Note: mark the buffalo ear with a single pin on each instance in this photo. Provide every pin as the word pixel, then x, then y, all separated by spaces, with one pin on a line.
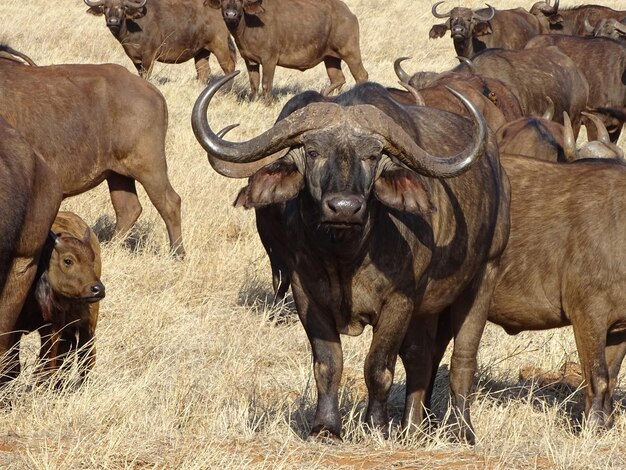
pixel 482 28
pixel 136 13
pixel 213 3
pixel 275 183
pixel 253 7
pixel 96 11
pixel 556 20
pixel 403 190
pixel 438 30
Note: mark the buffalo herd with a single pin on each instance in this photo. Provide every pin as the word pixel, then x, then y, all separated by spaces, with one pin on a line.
pixel 423 212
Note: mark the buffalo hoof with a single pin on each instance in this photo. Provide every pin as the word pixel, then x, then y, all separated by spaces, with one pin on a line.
pixel 324 436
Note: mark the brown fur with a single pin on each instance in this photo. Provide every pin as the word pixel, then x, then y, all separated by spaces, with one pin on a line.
pixel 508 29
pixel 93 123
pixel 565 264
pixel 414 246
pixel 30 195
pixel 533 74
pixel 267 36
pixel 601 61
pixel 571 21
pixel 63 302
pixel 170 31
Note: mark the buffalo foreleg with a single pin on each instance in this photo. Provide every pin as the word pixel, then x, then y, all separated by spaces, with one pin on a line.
pixel 203 68
pixel 336 76
pixel 255 77
pixel 615 352
pixel 269 68
pixel 125 203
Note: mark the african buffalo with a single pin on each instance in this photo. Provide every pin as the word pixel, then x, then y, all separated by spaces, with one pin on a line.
pixel 377 231
pixel 93 123
pixel 542 138
pixel 609 28
pixel 573 20
pixel 602 61
pixel 267 36
pixel 63 301
pixel 476 30
pixel 169 31
pixel 565 263
pixel 533 74
pixel 495 90
pixel 31 195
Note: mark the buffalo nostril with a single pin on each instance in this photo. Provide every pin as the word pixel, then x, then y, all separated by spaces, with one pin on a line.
pixel 97 289
pixel 344 205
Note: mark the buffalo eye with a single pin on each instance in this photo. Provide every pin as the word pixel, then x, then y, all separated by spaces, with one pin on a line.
pixel 312 153
pixel 68 262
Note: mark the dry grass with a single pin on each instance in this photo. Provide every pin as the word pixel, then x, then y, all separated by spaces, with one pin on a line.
pixel 195 370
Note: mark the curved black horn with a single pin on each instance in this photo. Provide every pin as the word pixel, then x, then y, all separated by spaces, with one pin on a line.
pixel 419 100
pixel 94 3
pixel 440 15
pixel 492 12
pixel 549 112
pixel 133 4
pixel 470 65
pixel 400 73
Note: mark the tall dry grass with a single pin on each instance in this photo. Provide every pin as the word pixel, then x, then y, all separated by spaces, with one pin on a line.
pixel 195 369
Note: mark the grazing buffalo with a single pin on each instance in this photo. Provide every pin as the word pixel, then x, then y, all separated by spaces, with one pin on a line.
pixel 31 195
pixel 93 123
pixel 493 89
pixel 542 138
pixel 573 20
pixel 602 62
pixel 609 28
pixel 533 74
pixel 267 36
pixel 377 231
pixel 565 264
pixel 169 31
pixel 475 30
pixel 63 302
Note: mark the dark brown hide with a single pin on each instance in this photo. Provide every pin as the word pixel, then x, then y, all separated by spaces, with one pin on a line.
pixel 267 36
pixel 30 195
pixel 93 123
pixel 365 241
pixel 573 20
pixel 508 29
pixel 533 74
pixel 63 302
pixel 170 31
pixel 610 28
pixel 602 62
pixel 493 89
pixel 532 136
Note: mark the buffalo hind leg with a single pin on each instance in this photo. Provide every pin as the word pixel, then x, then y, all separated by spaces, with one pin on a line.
pixel 381 359
pixel 125 203
pixel 167 203
pixel 337 78
pixel 268 80
pixel 420 365
pixel 468 319
pixel 203 68
pixel 615 352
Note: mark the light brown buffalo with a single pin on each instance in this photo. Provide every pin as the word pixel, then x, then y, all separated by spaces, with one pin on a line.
pixel 93 123
pixel 63 303
pixel 31 194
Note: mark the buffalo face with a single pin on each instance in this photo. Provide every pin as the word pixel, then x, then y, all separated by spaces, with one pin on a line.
pixel 72 269
pixel 463 23
pixel 233 10
pixel 116 11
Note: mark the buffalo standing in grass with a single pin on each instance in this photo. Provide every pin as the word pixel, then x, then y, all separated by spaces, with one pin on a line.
pixel 31 194
pixel 93 123
pixel 374 230
pixel 169 31
pixel 267 36
pixel 63 302
pixel 565 264
pixel 476 30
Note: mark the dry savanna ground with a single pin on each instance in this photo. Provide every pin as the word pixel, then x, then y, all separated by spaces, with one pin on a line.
pixel 196 369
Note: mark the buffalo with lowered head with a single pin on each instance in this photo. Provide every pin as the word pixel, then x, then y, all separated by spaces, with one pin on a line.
pixel 375 230
pixel 93 123
pixel 476 30
pixel 63 303
pixel 169 31
pixel 576 20
pixel 267 36
pixel 31 195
